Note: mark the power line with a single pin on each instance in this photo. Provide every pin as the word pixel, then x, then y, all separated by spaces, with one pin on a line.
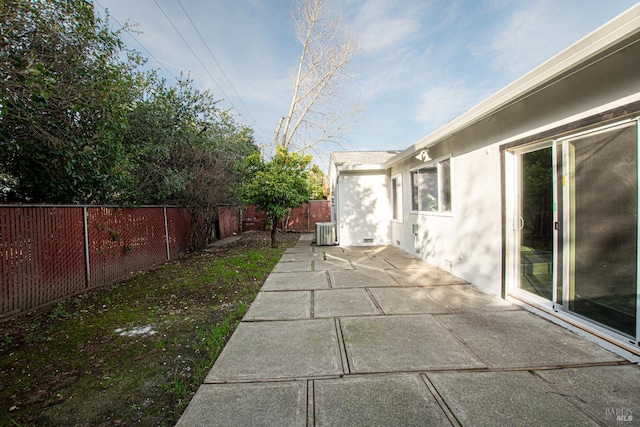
pixel 217 63
pixel 136 40
pixel 195 55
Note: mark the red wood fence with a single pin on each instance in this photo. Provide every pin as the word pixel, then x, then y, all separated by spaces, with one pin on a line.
pixel 302 218
pixel 48 253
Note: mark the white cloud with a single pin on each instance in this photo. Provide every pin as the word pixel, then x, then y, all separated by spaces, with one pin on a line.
pixel 386 24
pixel 442 102
pixel 532 32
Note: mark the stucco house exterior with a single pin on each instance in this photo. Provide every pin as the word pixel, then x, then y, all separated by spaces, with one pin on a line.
pixel 531 195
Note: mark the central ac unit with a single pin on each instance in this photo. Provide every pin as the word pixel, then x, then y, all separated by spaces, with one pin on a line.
pixel 325 233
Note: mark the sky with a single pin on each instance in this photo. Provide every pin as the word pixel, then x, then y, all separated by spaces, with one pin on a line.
pixel 420 63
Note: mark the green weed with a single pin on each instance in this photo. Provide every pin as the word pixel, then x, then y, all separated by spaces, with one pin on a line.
pixel 60 312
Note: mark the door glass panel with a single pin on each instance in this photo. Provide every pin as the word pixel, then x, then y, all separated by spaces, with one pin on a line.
pixel 536 223
pixel 603 235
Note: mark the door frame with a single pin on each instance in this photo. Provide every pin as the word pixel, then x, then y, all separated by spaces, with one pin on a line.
pixel 513 183
pixel 561 247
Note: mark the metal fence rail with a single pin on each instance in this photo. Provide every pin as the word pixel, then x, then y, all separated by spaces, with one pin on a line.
pixel 48 253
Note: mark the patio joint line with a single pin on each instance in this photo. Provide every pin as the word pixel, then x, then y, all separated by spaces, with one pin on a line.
pixel 374 300
pixel 328 279
pixel 343 348
pixel 311 409
pixel 311 304
pixel 443 405
pixel 462 342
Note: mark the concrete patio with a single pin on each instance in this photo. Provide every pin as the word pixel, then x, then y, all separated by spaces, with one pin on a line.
pixel 374 337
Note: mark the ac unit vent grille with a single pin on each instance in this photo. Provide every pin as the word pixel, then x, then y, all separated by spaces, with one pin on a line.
pixel 325 233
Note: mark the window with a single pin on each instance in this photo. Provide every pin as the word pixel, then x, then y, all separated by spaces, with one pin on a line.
pixel 396 197
pixel 431 187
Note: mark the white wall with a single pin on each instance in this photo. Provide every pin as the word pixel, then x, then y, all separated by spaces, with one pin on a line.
pixel 364 210
pixel 468 241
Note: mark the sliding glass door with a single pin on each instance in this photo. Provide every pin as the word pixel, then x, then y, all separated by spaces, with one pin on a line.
pixel 535 223
pixel 601 196
pixel 573 244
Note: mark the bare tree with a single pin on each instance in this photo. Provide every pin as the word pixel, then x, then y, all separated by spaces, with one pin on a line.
pixel 317 113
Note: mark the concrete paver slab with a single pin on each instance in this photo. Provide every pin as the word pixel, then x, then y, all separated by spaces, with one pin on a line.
pixel 360 279
pixel 465 298
pixel 376 400
pixel 522 339
pixel 404 300
pixel 387 251
pixel 279 349
pixel 288 267
pixel 347 256
pixel 341 255
pixel 371 264
pixel 608 393
pixel 402 343
pixel 505 399
pixel 343 302
pixel 296 281
pixel 305 249
pixel 426 276
pixel 415 332
pixel 280 306
pixel 400 262
pixel 306 257
pixel 332 264
pixel 262 404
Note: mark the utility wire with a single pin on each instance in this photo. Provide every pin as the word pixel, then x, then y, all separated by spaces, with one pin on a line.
pixel 195 55
pixel 217 63
pixel 136 40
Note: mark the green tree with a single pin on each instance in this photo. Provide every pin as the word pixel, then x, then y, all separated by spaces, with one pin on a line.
pixel 315 180
pixel 183 150
pixel 64 98
pixel 275 186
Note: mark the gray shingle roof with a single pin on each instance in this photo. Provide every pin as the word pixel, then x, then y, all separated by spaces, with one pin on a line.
pixel 355 158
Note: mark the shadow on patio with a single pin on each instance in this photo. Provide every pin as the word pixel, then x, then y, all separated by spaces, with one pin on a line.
pixel 343 336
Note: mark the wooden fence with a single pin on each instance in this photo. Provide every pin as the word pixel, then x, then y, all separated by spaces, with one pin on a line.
pixel 302 218
pixel 48 253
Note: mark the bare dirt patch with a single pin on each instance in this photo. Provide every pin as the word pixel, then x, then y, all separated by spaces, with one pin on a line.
pixel 133 352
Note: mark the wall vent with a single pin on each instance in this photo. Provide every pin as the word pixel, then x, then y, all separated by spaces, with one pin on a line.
pixel 325 233
pixel 398 242
pixel 368 240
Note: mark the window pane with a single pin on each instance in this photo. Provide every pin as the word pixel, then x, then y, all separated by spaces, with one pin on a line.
pixel 428 189
pixel 394 197
pixel 445 178
pixel 414 191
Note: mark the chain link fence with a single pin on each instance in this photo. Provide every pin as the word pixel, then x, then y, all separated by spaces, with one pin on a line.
pixel 48 253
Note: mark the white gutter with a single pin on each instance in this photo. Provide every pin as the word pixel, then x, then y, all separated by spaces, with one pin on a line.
pixel 623 26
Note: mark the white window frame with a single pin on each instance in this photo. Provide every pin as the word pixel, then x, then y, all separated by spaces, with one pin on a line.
pixel 436 164
pixel 397 205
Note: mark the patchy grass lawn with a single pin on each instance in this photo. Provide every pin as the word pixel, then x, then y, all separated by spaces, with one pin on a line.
pixel 133 352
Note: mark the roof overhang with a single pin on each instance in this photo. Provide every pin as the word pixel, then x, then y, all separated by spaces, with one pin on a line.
pixel 593 47
pixel 369 167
